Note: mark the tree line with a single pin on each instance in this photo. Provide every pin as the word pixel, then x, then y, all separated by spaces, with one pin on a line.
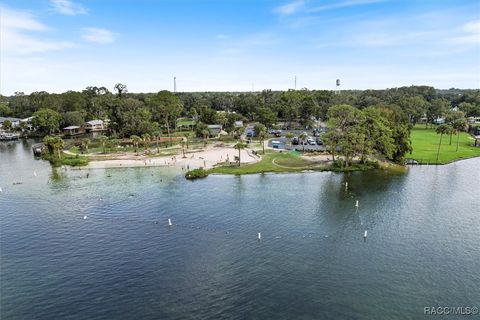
pixel 368 121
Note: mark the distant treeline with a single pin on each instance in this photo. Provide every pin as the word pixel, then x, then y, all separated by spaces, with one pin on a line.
pixel 138 113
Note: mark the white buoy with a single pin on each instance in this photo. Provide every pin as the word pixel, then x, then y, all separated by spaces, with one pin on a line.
pixel 169 222
pixel 259 236
pixel 356 204
pixel 85 217
pixel 346 185
pixel 365 235
pixel 35 173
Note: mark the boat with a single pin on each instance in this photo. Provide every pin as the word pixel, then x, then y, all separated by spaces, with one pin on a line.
pixel 8 136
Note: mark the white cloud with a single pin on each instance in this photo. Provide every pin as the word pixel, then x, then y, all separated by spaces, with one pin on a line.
pixel 472 26
pixel 67 7
pixel 290 8
pixel 98 35
pixel 343 4
pixel 222 36
pixel 13 19
pixel 471 34
pixel 20 34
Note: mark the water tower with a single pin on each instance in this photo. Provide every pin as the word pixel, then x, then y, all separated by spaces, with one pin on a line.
pixel 337 86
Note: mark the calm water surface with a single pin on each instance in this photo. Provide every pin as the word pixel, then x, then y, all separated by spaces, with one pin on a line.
pixel 123 262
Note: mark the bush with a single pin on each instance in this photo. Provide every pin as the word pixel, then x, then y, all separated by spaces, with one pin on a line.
pixel 74 161
pixel 196 174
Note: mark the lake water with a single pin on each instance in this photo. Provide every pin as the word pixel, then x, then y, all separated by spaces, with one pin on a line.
pixel 124 262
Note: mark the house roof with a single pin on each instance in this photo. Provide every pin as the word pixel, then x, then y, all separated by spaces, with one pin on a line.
pixel 71 127
pixel 95 122
pixel 2 119
pixel 238 123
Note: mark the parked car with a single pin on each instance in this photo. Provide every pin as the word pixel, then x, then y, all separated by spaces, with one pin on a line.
pixel 295 141
pixel 278 133
pixel 250 134
pixel 311 142
pixel 319 142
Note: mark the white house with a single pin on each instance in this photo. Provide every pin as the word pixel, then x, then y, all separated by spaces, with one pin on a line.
pixel 94 125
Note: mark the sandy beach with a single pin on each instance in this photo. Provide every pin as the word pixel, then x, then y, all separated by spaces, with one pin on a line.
pixel 207 158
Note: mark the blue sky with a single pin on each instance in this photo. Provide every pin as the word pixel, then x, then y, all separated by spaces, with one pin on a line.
pixel 237 45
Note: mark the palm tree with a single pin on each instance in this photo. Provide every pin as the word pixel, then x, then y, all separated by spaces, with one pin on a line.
pixel 261 132
pixel 262 135
pixel 458 125
pixel 58 144
pixel 289 137
pixel 205 134
pixel 239 146
pixel 302 138
pixel 85 144
pixel 157 134
pixel 146 140
pixel 183 142
pixel 187 135
pixel 54 145
pixel 442 129
pixel 135 140
pixel 103 140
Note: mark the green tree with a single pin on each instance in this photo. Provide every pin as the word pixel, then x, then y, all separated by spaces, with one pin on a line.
pixel 7 124
pixel 46 120
pixel 54 145
pixel 303 138
pixel 121 89
pixel 289 136
pixel 239 146
pixel 103 141
pixel 136 140
pixel 166 107
pixel 459 124
pixel 145 140
pixel 442 129
pixel 331 140
pixel 5 110
pixel 201 129
pixel 73 118
pixel 84 145
pixel 261 132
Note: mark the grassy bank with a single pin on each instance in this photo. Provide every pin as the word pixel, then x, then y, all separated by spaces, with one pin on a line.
pixel 66 160
pixel 285 162
pixel 425 146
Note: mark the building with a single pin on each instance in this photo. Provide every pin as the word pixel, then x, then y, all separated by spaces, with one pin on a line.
pixel 94 125
pixel 15 121
pixel 214 129
pixel 238 124
pixel 73 130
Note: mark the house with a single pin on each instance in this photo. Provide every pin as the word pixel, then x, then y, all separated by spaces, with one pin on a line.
pixel 15 121
pixel 238 124
pixel 214 129
pixel 94 125
pixel 73 130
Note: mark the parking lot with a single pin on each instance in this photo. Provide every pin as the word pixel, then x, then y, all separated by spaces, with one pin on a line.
pixel 287 146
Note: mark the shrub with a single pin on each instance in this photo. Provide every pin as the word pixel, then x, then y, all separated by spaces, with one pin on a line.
pixel 196 174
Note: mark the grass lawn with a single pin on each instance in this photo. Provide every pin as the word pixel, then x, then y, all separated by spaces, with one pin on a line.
pixel 271 162
pixel 425 146
pixel 185 122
